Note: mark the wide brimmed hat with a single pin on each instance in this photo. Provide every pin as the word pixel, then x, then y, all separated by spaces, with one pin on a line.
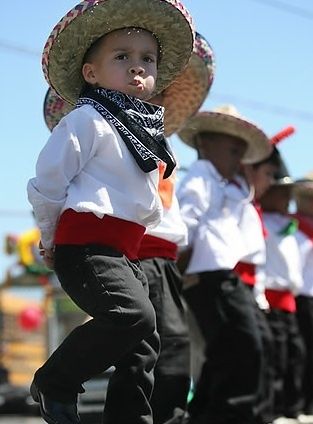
pixel 54 108
pixel 227 120
pixel 186 94
pixel 70 39
pixel 282 175
pixel 304 186
pixel 181 99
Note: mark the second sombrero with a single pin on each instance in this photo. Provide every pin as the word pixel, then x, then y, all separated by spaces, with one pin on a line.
pixel 227 120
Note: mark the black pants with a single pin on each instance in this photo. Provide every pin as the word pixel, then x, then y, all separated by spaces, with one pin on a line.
pixel 288 363
pixel 172 371
pixel 264 406
pixel 228 384
pixel 305 321
pixel 122 332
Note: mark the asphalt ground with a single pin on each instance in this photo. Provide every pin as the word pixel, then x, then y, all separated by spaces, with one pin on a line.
pixel 21 419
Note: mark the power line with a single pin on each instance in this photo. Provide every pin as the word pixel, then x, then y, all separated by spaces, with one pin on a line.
pixel 252 104
pixel 295 10
pixel 20 49
pixel 265 107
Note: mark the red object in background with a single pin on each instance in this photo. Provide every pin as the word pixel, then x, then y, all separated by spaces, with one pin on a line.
pixel 43 280
pixel 286 132
pixel 31 318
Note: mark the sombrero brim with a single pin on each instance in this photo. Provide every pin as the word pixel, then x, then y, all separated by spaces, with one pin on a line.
pixel 91 19
pixel 259 146
pixel 187 93
pixel 303 187
pixel 285 181
pixel 54 108
pixel 181 99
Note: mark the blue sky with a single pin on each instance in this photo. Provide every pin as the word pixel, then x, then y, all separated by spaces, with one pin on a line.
pixel 264 66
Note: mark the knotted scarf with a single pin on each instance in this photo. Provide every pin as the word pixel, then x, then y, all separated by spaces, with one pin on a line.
pixel 140 125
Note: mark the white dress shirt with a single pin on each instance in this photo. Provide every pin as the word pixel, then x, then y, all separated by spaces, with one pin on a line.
pixel 87 167
pixel 211 207
pixel 252 231
pixel 172 227
pixel 283 262
pixel 306 251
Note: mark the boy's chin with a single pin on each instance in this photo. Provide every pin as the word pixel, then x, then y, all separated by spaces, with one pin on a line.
pixel 141 95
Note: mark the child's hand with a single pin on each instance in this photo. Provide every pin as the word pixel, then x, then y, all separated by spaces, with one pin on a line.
pixel 47 256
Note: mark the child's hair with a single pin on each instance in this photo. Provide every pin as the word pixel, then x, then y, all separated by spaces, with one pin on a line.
pixel 274 159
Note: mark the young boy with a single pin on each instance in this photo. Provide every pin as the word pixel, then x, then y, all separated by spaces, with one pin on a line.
pixel 211 205
pixel 95 192
pixel 283 279
pixel 251 269
pixel 159 246
pixel 303 195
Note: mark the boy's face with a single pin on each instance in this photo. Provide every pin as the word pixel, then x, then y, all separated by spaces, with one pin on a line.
pixel 277 199
pixel 224 151
pixel 305 204
pixel 261 177
pixel 126 60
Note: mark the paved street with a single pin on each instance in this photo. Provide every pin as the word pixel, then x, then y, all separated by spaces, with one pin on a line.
pixel 9 419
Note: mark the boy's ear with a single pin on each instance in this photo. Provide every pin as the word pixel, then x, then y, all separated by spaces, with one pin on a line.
pixel 88 73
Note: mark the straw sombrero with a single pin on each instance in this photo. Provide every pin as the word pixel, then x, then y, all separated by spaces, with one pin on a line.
pixel 304 186
pixel 181 99
pixel 282 175
pixel 54 108
pixel 68 42
pixel 186 94
pixel 227 120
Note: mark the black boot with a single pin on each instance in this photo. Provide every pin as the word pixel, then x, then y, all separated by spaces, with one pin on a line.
pixel 54 412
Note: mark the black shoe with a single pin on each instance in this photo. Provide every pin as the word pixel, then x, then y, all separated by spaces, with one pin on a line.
pixel 54 412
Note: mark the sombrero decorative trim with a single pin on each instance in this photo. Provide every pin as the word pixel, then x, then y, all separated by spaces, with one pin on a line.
pixel 226 120
pixel 287 180
pixel 91 19
pixel 54 108
pixel 186 94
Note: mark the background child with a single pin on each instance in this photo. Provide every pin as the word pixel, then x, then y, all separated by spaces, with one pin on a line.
pixel 159 246
pixel 251 270
pixel 283 280
pixel 211 206
pixel 96 179
pixel 303 195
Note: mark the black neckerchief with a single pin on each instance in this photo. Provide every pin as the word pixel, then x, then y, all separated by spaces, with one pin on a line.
pixel 140 125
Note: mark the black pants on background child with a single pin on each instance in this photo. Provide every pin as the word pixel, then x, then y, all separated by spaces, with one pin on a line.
pixel 172 370
pixel 288 363
pixel 227 387
pixel 305 320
